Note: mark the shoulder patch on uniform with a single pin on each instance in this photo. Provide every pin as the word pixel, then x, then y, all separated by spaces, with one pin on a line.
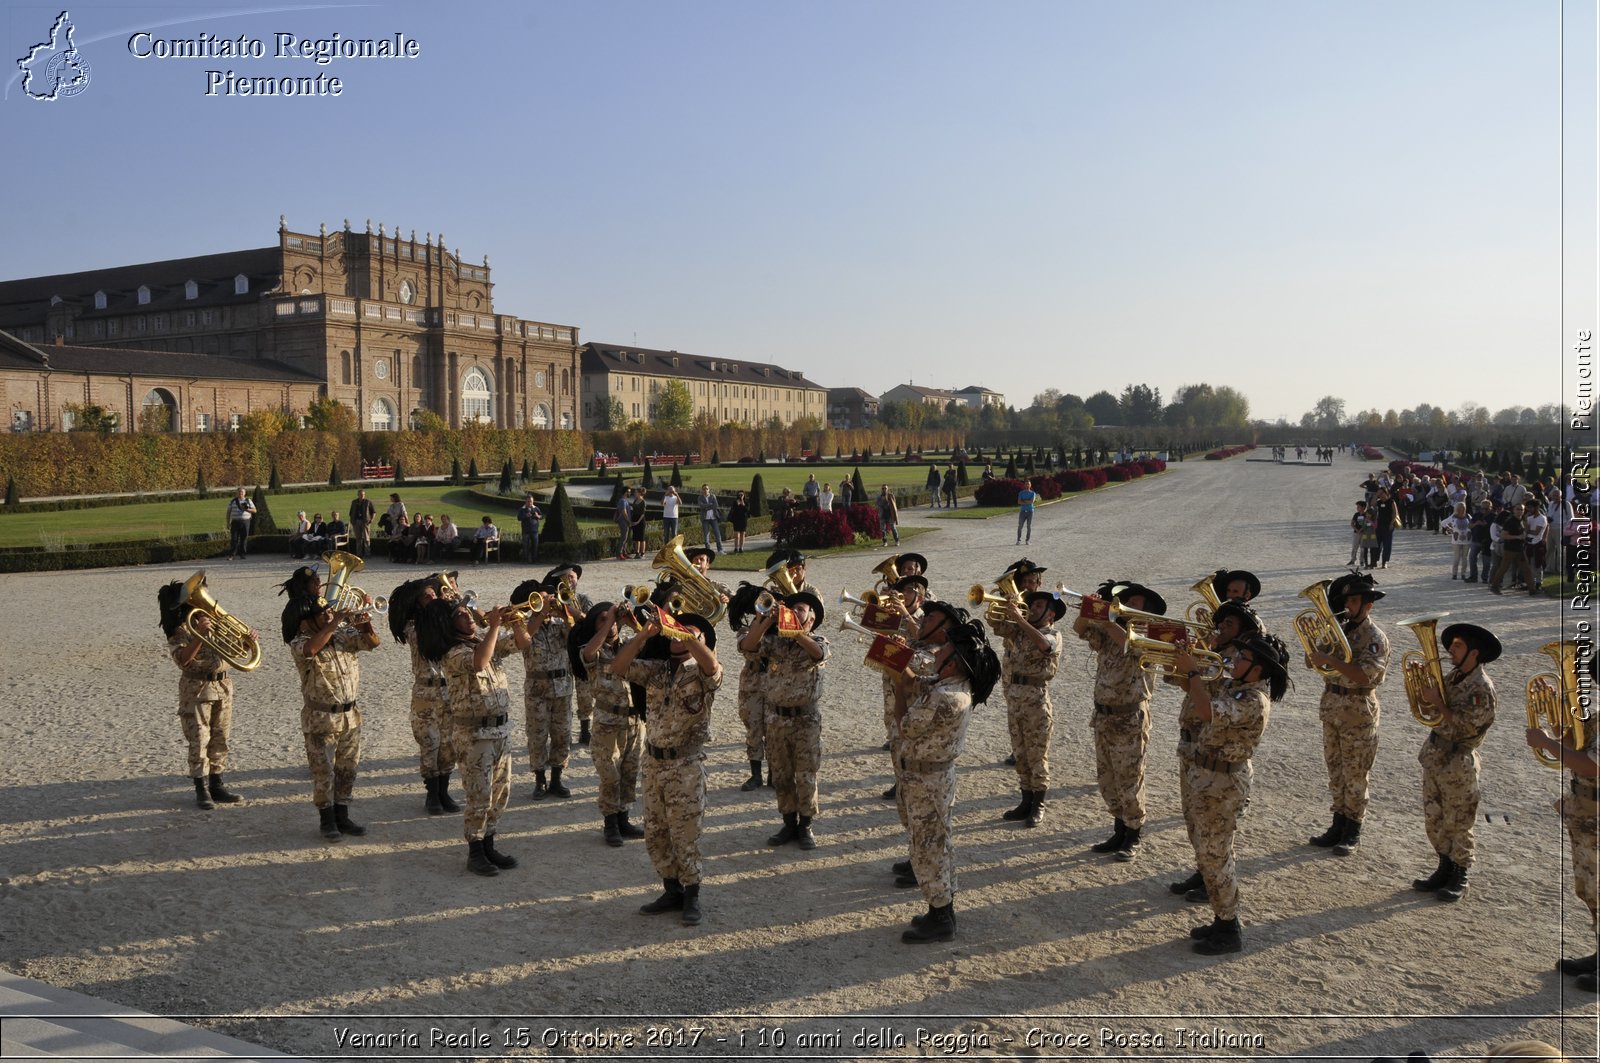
pixel 1240 695
pixel 1374 647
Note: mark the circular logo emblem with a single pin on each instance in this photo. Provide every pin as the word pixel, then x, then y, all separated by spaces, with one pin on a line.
pixel 68 72
pixel 380 369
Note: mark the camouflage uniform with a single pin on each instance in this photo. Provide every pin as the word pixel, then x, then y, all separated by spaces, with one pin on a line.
pixel 1025 672
pixel 430 711
pixel 891 726
pixel 547 696
pixel 330 682
pixel 584 689
pixel 678 700
pixel 1186 734
pixel 933 733
pixel 1580 809
pixel 1217 788
pixel 479 708
pixel 1350 721
pixel 791 690
pixel 205 705
pixel 1449 760
pixel 1121 726
pixel 752 710
pixel 618 735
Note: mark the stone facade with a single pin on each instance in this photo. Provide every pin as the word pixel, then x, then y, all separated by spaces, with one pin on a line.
pixel 723 390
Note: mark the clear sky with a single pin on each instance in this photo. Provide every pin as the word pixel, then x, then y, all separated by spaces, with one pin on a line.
pixel 1361 199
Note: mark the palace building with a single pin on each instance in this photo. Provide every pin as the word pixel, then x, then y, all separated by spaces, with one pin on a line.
pixel 387 325
pixel 723 389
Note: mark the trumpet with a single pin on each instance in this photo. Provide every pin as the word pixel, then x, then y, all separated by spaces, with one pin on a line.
pixel 867 598
pixel 1319 629
pixel 338 592
pixel 537 602
pixel 1140 622
pixel 1554 706
pixel 229 637
pixel 1423 669
pixel 1159 655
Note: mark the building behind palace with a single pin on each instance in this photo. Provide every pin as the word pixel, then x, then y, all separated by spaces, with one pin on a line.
pixel 722 388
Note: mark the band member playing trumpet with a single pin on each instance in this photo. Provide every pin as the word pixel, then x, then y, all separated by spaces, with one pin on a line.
pixel 1350 709
pixel 1032 654
pixel 1580 810
pixel 1026 577
pixel 324 645
pixel 618 729
pixel 678 694
pixel 1121 721
pixel 906 597
pixel 1449 757
pixel 933 713
pixel 1226 725
pixel 791 666
pixel 430 701
pixel 580 604
pixel 479 706
pixel 742 614
pixel 547 687
pixel 205 696
pixel 928 629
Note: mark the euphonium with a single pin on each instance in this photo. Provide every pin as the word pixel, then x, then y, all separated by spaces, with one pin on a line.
pixel 778 575
pixel 1005 593
pixel 340 595
pixel 693 592
pixel 1200 612
pixel 1319 629
pixel 1423 669
pixel 1553 705
pixel 229 637
pixel 888 571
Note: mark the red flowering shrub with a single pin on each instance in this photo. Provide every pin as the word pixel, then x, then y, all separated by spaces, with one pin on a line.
pixel 863 519
pixel 1153 465
pixel 815 529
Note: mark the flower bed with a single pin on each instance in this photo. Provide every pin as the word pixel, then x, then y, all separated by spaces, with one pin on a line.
pixel 1227 452
pixel 815 529
pixel 863 520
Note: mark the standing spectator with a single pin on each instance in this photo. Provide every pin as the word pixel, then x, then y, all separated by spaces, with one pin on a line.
pixel 1385 519
pixel 847 492
pixel 486 536
pixel 1459 528
pixel 810 490
pixel 1513 551
pixel 669 513
pixel 397 512
pixel 1025 500
pixel 1358 527
pixel 739 517
pixel 950 486
pixel 933 485
pixel 622 517
pixel 636 515
pixel 1515 492
pixel 710 518
pixel 529 516
pixel 825 498
pixel 240 512
pixel 1557 513
pixel 888 516
pixel 1478 530
pixel 362 512
pixel 782 510
pixel 1536 526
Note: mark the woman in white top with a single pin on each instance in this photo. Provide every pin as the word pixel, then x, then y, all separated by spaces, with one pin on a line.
pixel 825 498
pixel 669 514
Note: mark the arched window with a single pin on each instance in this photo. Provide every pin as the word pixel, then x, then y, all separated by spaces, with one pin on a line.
pixel 159 411
pixel 99 300
pixel 382 415
pixel 566 419
pixel 566 384
pixel 144 294
pixel 191 290
pixel 241 284
pixel 477 401
pixel 345 376
pixel 541 415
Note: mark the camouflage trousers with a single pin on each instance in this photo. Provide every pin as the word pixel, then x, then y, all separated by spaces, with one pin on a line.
pixel 1185 762
pixel 794 749
pixel 1030 717
pixel 930 798
pixel 1213 803
pixel 584 695
pixel 1450 806
pixel 205 728
pixel 1349 746
pixel 333 749
pixel 753 714
pixel 430 726
pixel 674 813
pixel 1582 817
pixel 486 777
pixel 548 718
pixel 615 745
pixel 1120 741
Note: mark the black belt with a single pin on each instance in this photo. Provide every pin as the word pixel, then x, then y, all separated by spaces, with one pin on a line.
pixel 214 677
pixel 431 682
pixel 1185 736
pixel 661 753
pixel 1116 710
pixel 559 673
pixel 1029 681
pixel 1590 793
pixel 1216 764
pixel 346 707
pixel 789 713
pixel 1450 748
pixel 1349 690
pixel 490 721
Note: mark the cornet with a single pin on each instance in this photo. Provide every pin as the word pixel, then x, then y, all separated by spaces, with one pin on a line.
pixel 229 637
pixel 1423 669
pixel 537 603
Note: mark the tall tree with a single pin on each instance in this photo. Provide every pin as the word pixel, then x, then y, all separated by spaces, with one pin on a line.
pixel 1141 404
pixel 674 405
pixel 1104 408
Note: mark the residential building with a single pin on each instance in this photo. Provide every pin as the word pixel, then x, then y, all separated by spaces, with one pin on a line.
pixel 722 389
pixel 851 408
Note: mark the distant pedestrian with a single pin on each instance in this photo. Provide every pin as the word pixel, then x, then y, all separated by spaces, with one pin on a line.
pixel 240 512
pixel 670 503
pixel 710 518
pixel 933 485
pixel 888 516
pixel 1025 500
pixel 529 516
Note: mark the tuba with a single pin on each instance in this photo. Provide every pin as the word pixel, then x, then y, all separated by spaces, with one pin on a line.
pixel 1199 613
pixel 1553 703
pixel 340 595
pixel 230 637
pixel 1423 669
pixel 1319 629
pixel 692 592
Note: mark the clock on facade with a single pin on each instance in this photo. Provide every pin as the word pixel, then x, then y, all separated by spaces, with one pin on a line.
pixel 408 292
pixel 380 369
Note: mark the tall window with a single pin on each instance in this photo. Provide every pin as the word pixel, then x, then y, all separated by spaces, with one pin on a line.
pixel 382 415
pixel 344 367
pixel 476 400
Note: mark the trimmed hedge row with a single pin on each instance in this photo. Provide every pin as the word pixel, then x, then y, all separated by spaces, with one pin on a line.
pixel 1228 452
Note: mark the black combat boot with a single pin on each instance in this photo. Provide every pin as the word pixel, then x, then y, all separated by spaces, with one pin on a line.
pixel 219 793
pixel 613 835
pixel 901 867
pixel 671 899
pixel 1113 843
pixel 691 905
pixel 341 818
pixel 1224 937
pixel 790 830
pixel 938 925
pixel 1014 815
pixel 583 733
pixel 496 857
pixel 556 789
pixel 1129 849
pixel 538 785
pixel 1187 884
pixel 803 835
pixel 1587 983
pixel 626 829
pixel 478 861
pixel 432 805
pixel 1589 964
pixel 202 796
pixel 1440 875
pixel 1350 841
pixel 1330 837
pixel 906 879
pixel 1036 811
pixel 1455 885
pixel 444 793
pixel 754 782
pixel 330 829
pixel 1200 933
pixel 892 792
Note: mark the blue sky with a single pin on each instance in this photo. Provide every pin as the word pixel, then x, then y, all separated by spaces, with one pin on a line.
pixel 1357 199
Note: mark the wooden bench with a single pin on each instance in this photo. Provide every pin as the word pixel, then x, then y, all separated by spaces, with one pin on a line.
pixel 372 470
